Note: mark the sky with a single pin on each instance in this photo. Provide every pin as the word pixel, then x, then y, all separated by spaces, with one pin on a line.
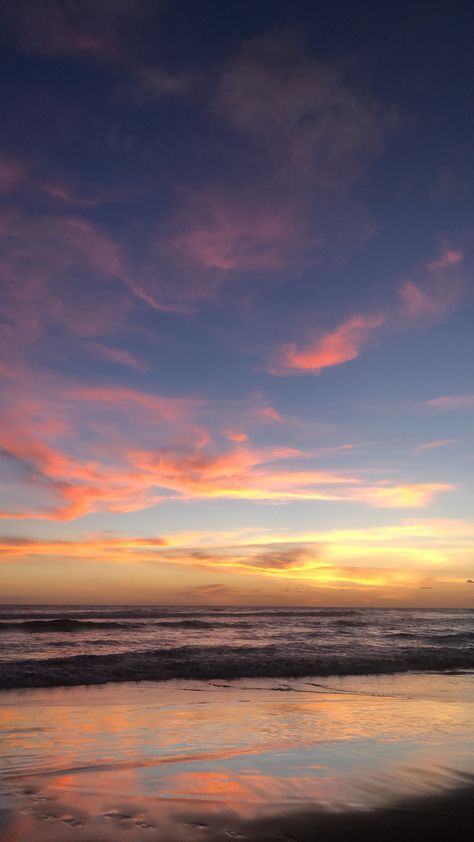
pixel 236 311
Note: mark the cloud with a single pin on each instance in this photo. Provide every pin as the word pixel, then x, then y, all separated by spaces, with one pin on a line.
pixel 86 548
pixel 449 258
pixel 60 271
pixel 301 110
pixel 432 445
pixel 300 141
pixel 64 272
pixel 450 403
pixel 437 296
pixel 274 560
pixel 216 590
pixel 428 304
pixel 280 202
pixel 236 435
pixel 340 346
pixel 311 565
pixel 383 560
pixel 117 355
pixel 86 462
pixel 229 233
pixel 410 495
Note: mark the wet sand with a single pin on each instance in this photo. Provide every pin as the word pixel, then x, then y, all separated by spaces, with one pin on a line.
pixel 338 759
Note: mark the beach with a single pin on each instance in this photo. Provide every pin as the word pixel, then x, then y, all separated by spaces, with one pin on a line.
pixel 259 759
pixel 236 421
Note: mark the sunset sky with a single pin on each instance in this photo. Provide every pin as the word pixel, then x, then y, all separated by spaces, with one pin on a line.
pixel 236 302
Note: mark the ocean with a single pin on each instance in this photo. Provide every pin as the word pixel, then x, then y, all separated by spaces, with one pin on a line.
pixel 217 723
pixel 83 644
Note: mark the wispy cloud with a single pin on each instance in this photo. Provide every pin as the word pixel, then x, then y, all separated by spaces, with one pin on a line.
pixel 449 258
pixel 87 462
pixel 450 403
pixel 302 140
pixel 435 297
pixel 117 355
pixel 44 258
pixel 434 445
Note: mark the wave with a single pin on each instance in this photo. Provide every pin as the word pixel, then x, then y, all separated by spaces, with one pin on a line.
pixel 68 624
pixel 220 662
pixel 61 624
pixel 200 624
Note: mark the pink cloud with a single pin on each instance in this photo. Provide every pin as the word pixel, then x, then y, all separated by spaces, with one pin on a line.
pixel 302 141
pixel 45 265
pixel 433 302
pixel 169 409
pixel 437 296
pixel 269 413
pixel 449 258
pixel 339 346
pixel 228 237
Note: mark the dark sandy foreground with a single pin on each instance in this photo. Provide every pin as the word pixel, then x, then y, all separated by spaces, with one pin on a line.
pixel 342 759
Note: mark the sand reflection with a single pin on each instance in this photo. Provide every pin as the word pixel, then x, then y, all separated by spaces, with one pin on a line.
pixel 174 761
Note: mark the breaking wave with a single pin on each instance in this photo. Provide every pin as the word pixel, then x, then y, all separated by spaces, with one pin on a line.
pixel 220 662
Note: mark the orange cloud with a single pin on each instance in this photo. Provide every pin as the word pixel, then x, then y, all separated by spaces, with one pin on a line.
pixel 236 436
pixel 340 346
pixel 84 461
pixel 353 558
pixel 137 479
